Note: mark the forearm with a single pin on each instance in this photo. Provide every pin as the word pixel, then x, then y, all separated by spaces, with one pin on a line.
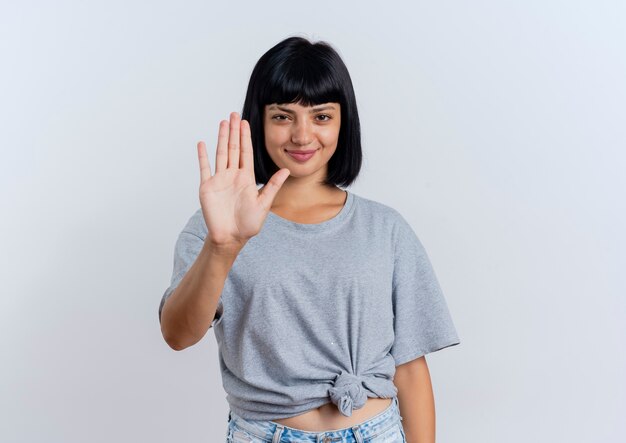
pixel 417 402
pixel 190 309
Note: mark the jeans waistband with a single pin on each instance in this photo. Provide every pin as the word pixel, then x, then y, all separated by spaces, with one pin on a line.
pixel 271 431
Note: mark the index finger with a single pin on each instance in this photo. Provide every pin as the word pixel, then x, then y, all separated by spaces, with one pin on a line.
pixel 205 168
pixel 246 160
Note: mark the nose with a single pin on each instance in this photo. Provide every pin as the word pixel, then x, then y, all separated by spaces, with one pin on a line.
pixel 302 133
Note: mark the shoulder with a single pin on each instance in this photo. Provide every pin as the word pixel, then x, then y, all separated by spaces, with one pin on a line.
pixel 196 225
pixel 391 223
pixel 383 215
pixel 381 211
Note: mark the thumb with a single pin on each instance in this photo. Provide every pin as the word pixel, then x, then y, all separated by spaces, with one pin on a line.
pixel 269 191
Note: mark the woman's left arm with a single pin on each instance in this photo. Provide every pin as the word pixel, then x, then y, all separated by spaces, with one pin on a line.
pixel 417 402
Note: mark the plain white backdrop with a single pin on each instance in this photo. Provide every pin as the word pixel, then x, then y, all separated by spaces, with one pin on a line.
pixel 496 128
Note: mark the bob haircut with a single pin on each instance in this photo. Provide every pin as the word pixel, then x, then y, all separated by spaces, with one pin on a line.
pixel 298 71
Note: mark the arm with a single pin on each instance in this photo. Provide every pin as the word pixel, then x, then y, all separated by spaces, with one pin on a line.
pixel 187 313
pixel 233 210
pixel 417 403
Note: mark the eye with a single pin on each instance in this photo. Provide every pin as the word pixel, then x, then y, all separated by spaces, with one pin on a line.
pixel 328 117
pixel 278 115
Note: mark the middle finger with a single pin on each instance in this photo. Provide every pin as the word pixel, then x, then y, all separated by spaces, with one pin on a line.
pixel 233 141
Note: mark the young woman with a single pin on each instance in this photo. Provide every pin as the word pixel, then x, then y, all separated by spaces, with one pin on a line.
pixel 323 303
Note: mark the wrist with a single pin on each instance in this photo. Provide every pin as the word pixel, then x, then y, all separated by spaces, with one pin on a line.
pixel 228 248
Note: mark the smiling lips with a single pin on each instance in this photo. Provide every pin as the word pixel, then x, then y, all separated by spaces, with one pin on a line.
pixel 302 156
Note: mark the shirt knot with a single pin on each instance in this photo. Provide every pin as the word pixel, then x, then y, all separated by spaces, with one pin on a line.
pixel 348 393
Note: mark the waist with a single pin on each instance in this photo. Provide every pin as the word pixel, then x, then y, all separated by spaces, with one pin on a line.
pixel 328 416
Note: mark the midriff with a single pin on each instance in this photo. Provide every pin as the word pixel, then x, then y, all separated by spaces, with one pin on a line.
pixel 327 417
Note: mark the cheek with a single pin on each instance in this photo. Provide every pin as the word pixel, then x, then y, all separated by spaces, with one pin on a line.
pixel 274 138
pixel 330 151
pixel 329 138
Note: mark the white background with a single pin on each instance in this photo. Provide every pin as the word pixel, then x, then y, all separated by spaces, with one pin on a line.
pixel 496 128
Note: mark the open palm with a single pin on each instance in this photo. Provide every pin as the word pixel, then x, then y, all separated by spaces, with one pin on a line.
pixel 233 208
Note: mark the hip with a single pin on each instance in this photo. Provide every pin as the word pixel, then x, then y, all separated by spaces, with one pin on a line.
pixel 384 427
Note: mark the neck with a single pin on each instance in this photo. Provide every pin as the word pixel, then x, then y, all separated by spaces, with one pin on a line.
pixel 300 193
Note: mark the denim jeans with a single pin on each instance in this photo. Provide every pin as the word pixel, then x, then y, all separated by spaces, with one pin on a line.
pixel 385 427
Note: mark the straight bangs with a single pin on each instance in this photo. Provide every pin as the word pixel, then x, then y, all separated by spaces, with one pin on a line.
pixel 297 81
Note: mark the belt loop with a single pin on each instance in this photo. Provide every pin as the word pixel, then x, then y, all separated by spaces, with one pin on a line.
pixel 357 434
pixel 278 432
pixel 397 402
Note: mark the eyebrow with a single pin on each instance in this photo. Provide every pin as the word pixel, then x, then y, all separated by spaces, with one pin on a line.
pixel 321 108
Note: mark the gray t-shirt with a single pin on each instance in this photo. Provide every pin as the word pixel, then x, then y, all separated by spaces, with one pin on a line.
pixel 318 313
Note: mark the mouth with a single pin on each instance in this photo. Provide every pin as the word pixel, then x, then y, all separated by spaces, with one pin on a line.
pixel 301 155
pixel 298 151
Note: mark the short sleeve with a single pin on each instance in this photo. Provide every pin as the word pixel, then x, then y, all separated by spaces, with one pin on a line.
pixel 422 321
pixel 187 248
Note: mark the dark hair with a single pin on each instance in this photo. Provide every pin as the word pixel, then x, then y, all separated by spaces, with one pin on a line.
pixel 298 71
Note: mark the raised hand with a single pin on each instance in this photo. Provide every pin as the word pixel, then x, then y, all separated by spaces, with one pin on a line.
pixel 233 208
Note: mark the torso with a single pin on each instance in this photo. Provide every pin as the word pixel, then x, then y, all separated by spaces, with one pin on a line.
pixel 327 417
